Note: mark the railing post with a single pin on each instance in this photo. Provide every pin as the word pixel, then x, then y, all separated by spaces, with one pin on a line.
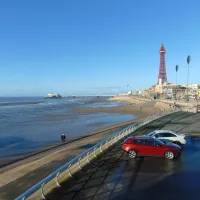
pixel 101 148
pixel 95 153
pixel 112 140
pixel 106 144
pixel 69 170
pixel 79 163
pixel 57 182
pixel 42 191
pixel 88 158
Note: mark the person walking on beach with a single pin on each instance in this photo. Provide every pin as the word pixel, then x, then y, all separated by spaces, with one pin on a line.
pixel 63 137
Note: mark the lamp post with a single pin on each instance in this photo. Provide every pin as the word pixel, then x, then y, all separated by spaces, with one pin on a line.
pixel 188 62
pixel 176 68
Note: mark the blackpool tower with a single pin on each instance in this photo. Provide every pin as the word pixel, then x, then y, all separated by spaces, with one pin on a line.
pixel 162 69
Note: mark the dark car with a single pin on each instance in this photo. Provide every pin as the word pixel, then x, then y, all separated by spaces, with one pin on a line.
pixel 148 146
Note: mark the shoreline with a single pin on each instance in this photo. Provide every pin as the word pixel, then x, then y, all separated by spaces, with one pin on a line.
pixel 133 108
pixel 46 148
pixel 12 159
pixel 46 155
pixel 21 168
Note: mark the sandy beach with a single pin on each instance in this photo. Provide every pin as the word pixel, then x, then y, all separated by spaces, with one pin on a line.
pixel 140 108
pixel 57 152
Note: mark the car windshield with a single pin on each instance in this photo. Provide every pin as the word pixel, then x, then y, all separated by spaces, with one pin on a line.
pixel 151 134
pixel 159 141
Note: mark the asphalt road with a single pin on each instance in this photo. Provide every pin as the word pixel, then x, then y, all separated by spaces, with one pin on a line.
pixel 114 176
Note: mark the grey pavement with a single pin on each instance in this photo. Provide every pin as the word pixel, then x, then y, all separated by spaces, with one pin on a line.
pixel 114 176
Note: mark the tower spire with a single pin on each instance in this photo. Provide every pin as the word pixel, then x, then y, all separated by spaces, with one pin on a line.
pixel 162 68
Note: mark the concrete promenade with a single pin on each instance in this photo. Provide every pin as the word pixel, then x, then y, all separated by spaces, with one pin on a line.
pixel 114 176
pixel 18 177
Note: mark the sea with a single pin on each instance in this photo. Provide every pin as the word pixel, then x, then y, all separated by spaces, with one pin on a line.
pixel 28 123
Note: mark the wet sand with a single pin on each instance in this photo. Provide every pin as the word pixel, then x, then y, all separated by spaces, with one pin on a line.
pixel 139 108
pixel 46 155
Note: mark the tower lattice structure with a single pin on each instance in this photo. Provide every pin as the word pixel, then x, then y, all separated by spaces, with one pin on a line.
pixel 162 68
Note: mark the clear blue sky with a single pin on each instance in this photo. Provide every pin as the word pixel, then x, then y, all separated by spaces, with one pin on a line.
pixel 95 46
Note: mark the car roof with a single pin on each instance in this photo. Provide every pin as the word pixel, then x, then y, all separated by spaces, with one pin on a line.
pixel 162 131
pixel 138 137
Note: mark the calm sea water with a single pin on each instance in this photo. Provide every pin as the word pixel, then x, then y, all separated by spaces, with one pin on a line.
pixel 31 122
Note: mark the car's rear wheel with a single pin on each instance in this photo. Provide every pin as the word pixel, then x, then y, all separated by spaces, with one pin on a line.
pixel 132 153
pixel 169 155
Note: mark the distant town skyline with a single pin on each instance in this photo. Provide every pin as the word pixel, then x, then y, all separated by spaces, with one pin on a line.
pixel 95 47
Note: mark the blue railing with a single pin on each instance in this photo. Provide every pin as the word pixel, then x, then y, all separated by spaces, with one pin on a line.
pixel 84 158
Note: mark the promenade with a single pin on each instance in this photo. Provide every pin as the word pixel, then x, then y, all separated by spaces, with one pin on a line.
pixel 20 176
pixel 115 176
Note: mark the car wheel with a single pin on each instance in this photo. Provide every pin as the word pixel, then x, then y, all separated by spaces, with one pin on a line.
pixel 169 155
pixel 132 153
pixel 177 142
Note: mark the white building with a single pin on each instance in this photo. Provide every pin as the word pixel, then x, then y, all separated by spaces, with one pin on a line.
pixel 161 88
pixel 192 89
pixel 192 86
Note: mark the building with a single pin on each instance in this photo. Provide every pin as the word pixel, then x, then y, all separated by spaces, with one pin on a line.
pixel 192 89
pixel 130 93
pixel 53 95
pixel 192 86
pixel 167 90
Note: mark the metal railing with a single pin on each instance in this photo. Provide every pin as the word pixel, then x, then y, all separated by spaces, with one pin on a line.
pixel 66 171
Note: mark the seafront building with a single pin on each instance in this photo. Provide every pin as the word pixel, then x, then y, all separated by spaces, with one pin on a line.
pixel 166 90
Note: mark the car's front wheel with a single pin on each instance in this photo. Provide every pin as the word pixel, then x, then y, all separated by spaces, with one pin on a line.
pixel 132 153
pixel 169 155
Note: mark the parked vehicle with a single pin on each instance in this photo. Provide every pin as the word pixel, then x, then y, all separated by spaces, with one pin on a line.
pixel 147 146
pixel 176 138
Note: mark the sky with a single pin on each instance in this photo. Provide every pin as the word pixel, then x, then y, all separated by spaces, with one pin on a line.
pixel 76 47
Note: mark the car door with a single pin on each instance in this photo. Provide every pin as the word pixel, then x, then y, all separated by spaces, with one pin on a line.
pixel 139 146
pixel 159 148
pixel 150 149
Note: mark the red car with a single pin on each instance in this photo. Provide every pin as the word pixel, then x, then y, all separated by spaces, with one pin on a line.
pixel 148 146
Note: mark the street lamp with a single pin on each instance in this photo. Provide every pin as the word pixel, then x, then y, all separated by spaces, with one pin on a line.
pixel 176 68
pixel 188 62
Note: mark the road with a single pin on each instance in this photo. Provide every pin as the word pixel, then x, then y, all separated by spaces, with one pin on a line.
pixel 114 176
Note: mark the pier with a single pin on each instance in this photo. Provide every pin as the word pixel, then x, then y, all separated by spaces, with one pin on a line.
pixel 89 97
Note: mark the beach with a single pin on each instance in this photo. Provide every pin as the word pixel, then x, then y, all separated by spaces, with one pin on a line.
pixel 63 152
pixel 29 124
pixel 140 108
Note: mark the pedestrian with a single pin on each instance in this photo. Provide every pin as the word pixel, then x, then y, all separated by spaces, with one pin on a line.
pixel 63 137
